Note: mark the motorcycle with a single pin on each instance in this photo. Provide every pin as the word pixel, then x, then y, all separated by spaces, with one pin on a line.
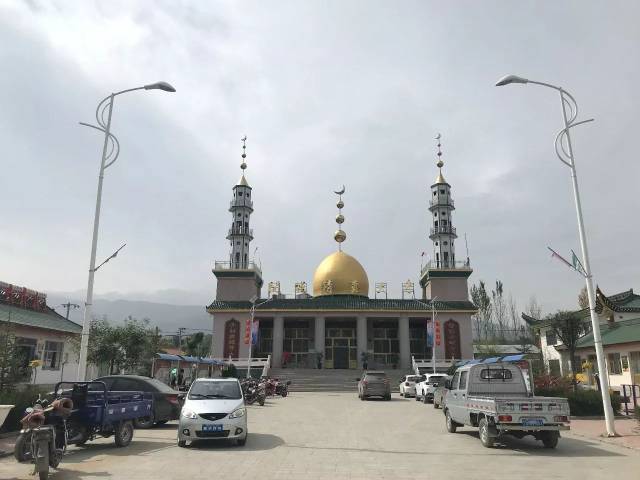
pixel 282 388
pixel 269 386
pixel 253 392
pixel 44 435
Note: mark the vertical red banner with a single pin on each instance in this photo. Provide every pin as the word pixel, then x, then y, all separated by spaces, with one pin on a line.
pixel 437 333
pixel 247 332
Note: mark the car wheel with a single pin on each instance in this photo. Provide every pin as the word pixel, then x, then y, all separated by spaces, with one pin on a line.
pixel 182 443
pixel 550 439
pixel 451 425
pixel 486 439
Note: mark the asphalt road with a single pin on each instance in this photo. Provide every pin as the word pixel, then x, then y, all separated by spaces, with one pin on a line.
pixel 336 436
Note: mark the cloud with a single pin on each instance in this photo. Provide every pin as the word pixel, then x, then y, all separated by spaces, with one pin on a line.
pixel 328 93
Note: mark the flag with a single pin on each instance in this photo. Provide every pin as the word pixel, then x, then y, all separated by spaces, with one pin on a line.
pixel 254 332
pixel 577 265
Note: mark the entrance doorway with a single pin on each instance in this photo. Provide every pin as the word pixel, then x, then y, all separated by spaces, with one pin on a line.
pixel 340 347
pixel 340 357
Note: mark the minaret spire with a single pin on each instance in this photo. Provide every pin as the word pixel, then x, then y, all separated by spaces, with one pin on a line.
pixel 241 208
pixel 441 206
pixel 340 236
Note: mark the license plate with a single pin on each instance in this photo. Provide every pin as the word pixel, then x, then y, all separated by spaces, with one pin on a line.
pixel 532 422
pixel 212 428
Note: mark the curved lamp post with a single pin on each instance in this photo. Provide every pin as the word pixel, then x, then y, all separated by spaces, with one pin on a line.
pixel 110 151
pixel 563 138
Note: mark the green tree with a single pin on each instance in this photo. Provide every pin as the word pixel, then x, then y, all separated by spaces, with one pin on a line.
pixel 499 309
pixel 194 345
pixel 569 328
pixel 482 319
pixel 11 359
pixel 104 345
pixel 583 298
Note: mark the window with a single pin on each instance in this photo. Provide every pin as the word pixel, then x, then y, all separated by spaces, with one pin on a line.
pixel 551 337
pixel 239 214
pixel 615 365
pixel 435 193
pixel 240 194
pixel 52 355
pixel 442 192
pixel 248 194
pixel 625 363
pixel 454 381
pixel 436 244
pixel 445 243
pixel 444 214
pixel 127 385
pixel 495 374
pixel 463 379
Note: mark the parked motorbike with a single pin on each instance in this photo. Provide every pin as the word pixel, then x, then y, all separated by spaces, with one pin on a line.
pixel 44 435
pixel 282 388
pixel 269 386
pixel 253 392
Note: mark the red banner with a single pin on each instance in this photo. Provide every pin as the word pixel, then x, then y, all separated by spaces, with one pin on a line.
pixel 438 335
pixel 247 332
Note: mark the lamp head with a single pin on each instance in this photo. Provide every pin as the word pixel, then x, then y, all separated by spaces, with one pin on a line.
pixel 510 79
pixel 160 86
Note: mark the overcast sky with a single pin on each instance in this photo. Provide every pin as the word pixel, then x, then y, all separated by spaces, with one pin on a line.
pixel 328 93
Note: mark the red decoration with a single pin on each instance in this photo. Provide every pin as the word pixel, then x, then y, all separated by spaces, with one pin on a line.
pixel 247 332
pixel 438 336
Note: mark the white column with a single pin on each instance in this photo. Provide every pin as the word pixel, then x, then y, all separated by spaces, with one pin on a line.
pixel 403 334
pixel 319 339
pixel 278 341
pixel 361 337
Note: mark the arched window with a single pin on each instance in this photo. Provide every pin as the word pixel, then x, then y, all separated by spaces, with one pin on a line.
pixel 452 340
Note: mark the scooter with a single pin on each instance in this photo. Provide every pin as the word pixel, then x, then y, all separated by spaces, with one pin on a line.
pixel 282 388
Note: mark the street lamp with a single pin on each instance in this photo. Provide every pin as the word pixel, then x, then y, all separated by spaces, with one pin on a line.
pixel 110 151
pixel 253 312
pixel 569 115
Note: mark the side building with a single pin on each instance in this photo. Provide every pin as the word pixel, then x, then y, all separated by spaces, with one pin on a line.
pixel 40 334
pixel 339 326
pixel 619 317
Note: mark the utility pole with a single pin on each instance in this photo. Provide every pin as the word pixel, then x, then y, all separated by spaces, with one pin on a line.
pixel 68 306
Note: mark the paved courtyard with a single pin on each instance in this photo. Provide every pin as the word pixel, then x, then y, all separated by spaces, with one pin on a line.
pixel 334 436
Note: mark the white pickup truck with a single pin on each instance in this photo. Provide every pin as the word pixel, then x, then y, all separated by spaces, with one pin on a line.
pixel 494 398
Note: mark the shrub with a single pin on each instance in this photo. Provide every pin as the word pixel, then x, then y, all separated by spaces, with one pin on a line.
pixel 21 398
pixel 230 371
pixel 582 403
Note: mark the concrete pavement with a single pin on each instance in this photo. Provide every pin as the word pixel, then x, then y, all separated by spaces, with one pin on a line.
pixel 336 436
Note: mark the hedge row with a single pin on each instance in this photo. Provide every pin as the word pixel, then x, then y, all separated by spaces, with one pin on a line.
pixel 583 403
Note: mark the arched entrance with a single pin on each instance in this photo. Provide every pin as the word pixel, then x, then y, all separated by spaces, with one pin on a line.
pixel 452 340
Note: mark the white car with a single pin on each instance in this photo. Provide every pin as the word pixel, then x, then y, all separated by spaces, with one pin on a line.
pixel 408 386
pixel 213 410
pixel 427 385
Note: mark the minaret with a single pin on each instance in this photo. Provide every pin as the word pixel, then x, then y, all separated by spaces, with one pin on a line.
pixel 240 234
pixel 441 206
pixel 442 277
pixel 239 278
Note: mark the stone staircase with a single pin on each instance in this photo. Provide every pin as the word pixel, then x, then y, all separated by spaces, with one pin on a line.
pixel 314 380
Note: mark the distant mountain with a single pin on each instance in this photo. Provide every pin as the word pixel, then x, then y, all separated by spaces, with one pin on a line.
pixel 167 317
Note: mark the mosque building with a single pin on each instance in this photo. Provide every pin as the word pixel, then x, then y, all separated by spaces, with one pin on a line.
pixel 340 326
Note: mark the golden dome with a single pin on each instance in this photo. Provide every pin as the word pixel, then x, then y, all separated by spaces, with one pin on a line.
pixel 340 274
pixel 440 179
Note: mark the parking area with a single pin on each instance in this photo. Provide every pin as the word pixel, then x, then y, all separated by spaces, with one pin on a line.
pixel 334 436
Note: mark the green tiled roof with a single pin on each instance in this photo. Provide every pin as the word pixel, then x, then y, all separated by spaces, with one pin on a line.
pixel 48 318
pixel 613 333
pixel 343 302
pixel 625 302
